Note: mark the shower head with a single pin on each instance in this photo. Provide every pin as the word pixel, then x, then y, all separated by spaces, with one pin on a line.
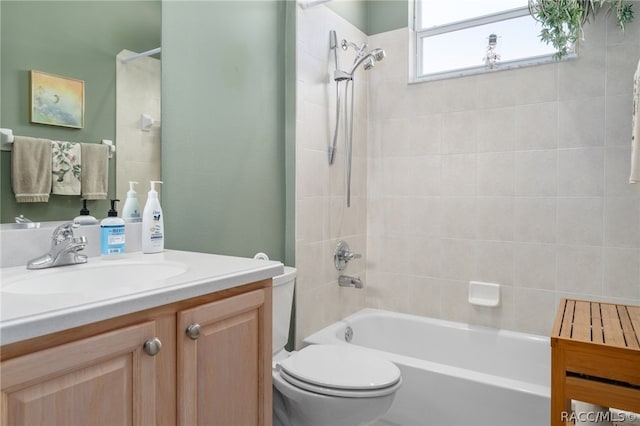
pixel 368 63
pixel 378 54
pixel 369 60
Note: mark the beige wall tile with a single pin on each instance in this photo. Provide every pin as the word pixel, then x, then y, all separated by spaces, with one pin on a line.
pixel 535 265
pixel 459 174
pixel 580 269
pixel 535 219
pixel 495 218
pixel 536 173
pixel 581 172
pixel 581 122
pixel 622 222
pixel 459 132
pixel 536 126
pixel 580 221
pixel 621 272
pixel 496 129
pixel 496 174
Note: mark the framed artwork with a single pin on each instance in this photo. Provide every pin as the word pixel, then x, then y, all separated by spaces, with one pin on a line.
pixel 56 100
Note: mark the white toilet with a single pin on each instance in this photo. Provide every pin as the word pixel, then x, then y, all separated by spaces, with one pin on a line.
pixel 325 385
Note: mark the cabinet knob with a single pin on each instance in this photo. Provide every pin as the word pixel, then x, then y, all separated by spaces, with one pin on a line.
pixel 193 331
pixel 152 346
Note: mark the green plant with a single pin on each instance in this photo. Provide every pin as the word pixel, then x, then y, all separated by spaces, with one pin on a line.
pixel 562 20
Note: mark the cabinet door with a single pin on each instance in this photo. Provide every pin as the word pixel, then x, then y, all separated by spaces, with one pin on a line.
pixel 224 367
pixel 106 379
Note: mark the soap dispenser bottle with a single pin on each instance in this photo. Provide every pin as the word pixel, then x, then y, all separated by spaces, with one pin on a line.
pixel 85 218
pixel 152 223
pixel 131 209
pixel 112 238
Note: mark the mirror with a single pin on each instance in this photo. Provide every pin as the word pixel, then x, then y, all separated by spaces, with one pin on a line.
pixel 80 40
pixel 137 123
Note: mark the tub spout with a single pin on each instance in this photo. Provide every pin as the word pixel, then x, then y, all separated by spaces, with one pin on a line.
pixel 347 281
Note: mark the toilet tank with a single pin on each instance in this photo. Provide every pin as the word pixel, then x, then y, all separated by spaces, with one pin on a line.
pixel 282 304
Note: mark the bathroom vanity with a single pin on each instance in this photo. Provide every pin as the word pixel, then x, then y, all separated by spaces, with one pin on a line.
pixel 193 348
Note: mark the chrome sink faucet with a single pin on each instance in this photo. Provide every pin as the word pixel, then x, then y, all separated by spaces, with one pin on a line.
pixel 64 249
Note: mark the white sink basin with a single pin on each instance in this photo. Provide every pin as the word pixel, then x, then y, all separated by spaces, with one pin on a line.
pixel 39 302
pixel 108 278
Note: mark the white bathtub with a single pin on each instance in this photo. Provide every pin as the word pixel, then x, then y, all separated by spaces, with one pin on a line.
pixel 454 373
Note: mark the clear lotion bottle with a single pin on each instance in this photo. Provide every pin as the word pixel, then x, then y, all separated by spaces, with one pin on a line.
pixel 152 223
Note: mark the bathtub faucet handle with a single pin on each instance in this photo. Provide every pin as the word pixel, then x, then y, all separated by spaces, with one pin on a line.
pixel 347 281
pixel 351 255
pixel 342 255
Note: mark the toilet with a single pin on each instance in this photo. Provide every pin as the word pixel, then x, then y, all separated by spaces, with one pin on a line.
pixel 325 385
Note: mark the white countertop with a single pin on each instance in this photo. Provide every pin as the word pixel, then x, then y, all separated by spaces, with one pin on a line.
pixel 24 316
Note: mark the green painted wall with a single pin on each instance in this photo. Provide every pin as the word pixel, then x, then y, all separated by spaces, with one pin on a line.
pixel 387 15
pixel 223 146
pixel 373 16
pixel 77 39
pixel 354 11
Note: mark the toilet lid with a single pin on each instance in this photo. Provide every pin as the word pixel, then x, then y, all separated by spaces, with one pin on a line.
pixel 341 367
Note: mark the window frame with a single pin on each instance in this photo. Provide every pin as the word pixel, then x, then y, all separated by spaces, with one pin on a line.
pixel 417 74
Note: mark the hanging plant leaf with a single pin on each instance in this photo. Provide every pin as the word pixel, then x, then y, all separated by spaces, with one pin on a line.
pixel 562 20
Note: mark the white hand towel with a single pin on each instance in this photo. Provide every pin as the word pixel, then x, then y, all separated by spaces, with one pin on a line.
pixel 66 168
pixel 635 135
pixel 31 169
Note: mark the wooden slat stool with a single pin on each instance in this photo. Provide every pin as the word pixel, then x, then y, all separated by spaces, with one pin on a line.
pixel 595 357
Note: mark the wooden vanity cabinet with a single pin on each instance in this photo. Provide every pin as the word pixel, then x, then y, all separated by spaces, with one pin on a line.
pixel 225 361
pixel 107 376
pixel 103 374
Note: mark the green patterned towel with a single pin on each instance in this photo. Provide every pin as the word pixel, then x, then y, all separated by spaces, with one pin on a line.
pixel 66 168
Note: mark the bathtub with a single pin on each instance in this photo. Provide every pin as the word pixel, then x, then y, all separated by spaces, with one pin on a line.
pixel 453 373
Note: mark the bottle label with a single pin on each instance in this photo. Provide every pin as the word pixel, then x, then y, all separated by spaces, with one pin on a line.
pixel 156 228
pixel 112 239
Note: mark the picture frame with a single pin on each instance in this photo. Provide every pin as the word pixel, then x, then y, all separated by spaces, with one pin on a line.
pixel 56 100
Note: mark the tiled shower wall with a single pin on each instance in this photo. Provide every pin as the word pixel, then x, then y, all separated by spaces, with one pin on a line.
pixel 322 218
pixel 517 177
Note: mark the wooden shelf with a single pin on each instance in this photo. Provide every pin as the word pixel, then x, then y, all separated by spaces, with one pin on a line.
pixel 595 356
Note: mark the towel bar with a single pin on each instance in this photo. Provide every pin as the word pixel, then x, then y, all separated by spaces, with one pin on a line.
pixel 6 142
pixel 6 139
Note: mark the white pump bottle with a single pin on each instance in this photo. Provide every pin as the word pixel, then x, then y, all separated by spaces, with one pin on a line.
pixel 152 223
pixel 131 209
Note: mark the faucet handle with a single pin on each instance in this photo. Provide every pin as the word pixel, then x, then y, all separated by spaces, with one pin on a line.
pixel 79 240
pixel 63 232
pixel 342 255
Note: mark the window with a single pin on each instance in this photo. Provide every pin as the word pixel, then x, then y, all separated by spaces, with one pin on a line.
pixel 460 37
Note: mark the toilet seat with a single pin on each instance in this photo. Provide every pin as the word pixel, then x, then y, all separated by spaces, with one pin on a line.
pixel 342 393
pixel 344 371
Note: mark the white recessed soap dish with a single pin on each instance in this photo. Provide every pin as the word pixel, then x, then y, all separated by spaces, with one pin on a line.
pixel 484 294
